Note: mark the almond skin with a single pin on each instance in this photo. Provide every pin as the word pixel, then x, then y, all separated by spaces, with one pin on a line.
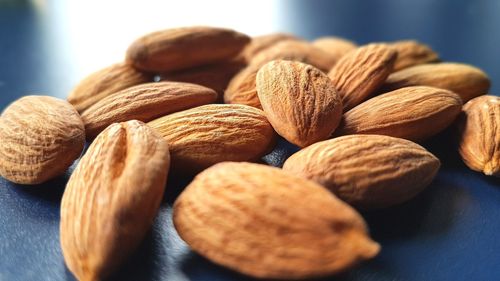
pixel 465 80
pixel 181 48
pixel 337 47
pixel 299 100
pixel 105 82
pixel 144 102
pixel 111 199
pixel 209 134
pixel 362 71
pixel 411 53
pixel 242 89
pixel 367 171
pixel 263 222
pixel 413 113
pixel 40 136
pixel 479 138
pixel 260 43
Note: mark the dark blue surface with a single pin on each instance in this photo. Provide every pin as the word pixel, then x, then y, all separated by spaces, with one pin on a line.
pixel 449 232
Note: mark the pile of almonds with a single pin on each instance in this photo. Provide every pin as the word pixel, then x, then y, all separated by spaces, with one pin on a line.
pixel 207 101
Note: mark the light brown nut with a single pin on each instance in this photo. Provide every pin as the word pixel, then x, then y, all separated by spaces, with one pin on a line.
pixel 367 171
pixel 413 113
pixel 411 53
pixel 187 47
pixel 105 82
pixel 337 47
pixel 111 199
pixel 465 80
pixel 299 100
pixel 479 138
pixel 40 137
pixel 295 50
pixel 242 89
pixel 144 102
pixel 362 71
pixel 263 222
pixel 262 42
pixel 209 134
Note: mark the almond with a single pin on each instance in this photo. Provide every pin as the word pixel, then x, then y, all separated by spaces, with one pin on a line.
pixel 41 137
pixel 242 89
pixel 209 134
pixel 299 100
pixel 111 199
pixel 263 222
pixel 367 171
pixel 411 53
pixel 413 113
pixel 337 47
pixel 181 48
pixel 260 43
pixel 465 80
pixel 105 82
pixel 479 142
pixel 144 102
pixel 362 71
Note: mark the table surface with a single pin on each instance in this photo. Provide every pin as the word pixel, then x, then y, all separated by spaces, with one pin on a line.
pixel 449 232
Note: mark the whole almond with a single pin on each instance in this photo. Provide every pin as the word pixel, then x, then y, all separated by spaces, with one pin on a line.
pixel 242 89
pixel 465 80
pixel 337 47
pixel 362 71
pixel 40 136
pixel 411 53
pixel 111 199
pixel 209 134
pixel 479 142
pixel 181 48
pixel 367 171
pixel 413 113
pixel 263 222
pixel 144 102
pixel 105 82
pixel 299 100
pixel 260 43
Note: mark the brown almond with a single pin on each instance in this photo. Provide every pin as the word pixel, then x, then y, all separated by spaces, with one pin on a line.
pixel 40 137
pixel 413 113
pixel 299 100
pixel 242 89
pixel 209 134
pixel 181 48
pixel 411 53
pixel 111 199
pixel 260 43
pixel 263 222
pixel 144 102
pixel 465 80
pixel 479 142
pixel 337 47
pixel 362 71
pixel 367 171
pixel 105 82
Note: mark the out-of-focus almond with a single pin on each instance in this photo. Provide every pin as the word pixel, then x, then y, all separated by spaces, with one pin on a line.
pixel 337 47
pixel 411 53
pixel 242 89
pixel 260 43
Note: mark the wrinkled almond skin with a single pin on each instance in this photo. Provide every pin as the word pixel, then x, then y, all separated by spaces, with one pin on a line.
pixel 465 80
pixel 337 47
pixel 105 82
pixel 187 47
pixel 295 50
pixel 111 199
pixel 299 100
pixel 479 138
pixel 203 136
pixel 144 102
pixel 262 42
pixel 40 137
pixel 411 53
pixel 242 89
pixel 263 222
pixel 413 113
pixel 367 171
pixel 360 72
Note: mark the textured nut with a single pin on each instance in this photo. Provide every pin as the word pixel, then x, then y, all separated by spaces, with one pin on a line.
pixel 105 82
pixel 362 71
pixel 181 48
pixel 479 142
pixel 242 89
pixel 411 53
pixel 260 43
pixel 337 47
pixel 111 199
pixel 144 102
pixel 465 80
pixel 209 134
pixel 367 171
pixel 40 137
pixel 299 101
pixel 263 222
pixel 414 113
